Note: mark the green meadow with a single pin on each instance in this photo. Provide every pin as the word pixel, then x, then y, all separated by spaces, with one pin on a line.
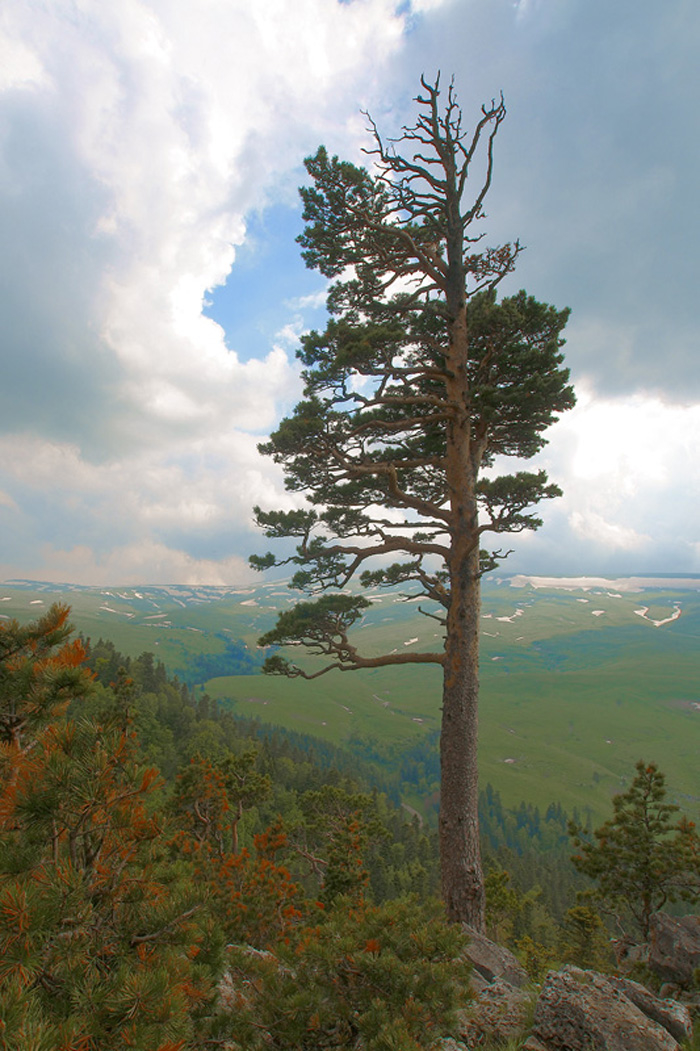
pixel 577 683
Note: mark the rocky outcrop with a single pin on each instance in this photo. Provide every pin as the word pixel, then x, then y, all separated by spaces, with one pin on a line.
pixel 492 961
pixel 584 1011
pixel 499 1013
pixel 674 949
pixel 577 1010
pixel 673 1016
pixel 501 1005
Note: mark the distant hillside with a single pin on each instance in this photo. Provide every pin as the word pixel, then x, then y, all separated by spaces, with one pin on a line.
pixel 580 678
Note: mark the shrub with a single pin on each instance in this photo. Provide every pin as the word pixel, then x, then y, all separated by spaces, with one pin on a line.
pixel 386 978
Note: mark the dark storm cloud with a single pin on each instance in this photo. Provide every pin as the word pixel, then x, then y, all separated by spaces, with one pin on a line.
pixel 596 169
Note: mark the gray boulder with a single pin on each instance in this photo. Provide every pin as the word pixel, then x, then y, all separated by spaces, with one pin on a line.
pixel 674 1017
pixel 498 1014
pixel 674 950
pixel 583 1011
pixel 477 983
pixel 493 961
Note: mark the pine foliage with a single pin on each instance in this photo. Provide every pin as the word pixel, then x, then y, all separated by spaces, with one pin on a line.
pixel 97 927
pixel 644 856
pixel 385 978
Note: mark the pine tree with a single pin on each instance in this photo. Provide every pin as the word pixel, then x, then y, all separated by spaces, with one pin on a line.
pixel 584 940
pixel 643 857
pixel 98 928
pixel 386 978
pixel 419 381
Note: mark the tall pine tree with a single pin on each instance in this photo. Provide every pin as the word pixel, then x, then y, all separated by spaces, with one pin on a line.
pixel 419 381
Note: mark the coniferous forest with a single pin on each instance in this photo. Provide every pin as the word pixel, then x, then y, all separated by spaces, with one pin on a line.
pixel 172 877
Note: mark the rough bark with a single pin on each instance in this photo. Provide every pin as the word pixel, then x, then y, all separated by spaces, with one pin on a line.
pixel 460 855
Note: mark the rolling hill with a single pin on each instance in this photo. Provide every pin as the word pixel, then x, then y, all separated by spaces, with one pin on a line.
pixel 580 678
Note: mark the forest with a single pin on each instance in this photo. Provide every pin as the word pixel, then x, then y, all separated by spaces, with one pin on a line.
pixel 173 877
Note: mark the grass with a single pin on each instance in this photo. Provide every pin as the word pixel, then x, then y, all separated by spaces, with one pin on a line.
pixel 569 700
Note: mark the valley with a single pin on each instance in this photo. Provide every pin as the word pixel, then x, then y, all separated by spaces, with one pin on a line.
pixel 580 678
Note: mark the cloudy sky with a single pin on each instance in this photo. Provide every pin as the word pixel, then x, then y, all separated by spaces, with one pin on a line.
pixel 152 295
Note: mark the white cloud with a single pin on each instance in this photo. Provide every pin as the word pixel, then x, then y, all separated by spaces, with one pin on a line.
pixel 7 501
pixel 177 125
pixel 630 474
pixel 211 481
pixel 137 137
pixel 423 6
pixel 622 447
pixel 591 526
pixel 627 440
pixel 314 300
pixel 19 66
pixel 134 139
pixel 132 564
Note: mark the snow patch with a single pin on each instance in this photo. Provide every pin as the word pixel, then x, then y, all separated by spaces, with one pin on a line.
pixel 657 623
pixel 620 584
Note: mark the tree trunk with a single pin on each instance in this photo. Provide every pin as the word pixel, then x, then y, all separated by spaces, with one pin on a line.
pixel 460 853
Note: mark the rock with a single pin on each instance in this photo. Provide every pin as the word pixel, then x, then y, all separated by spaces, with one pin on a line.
pixel 629 955
pixel 493 961
pixel 234 991
pixel 533 1044
pixel 674 952
pixel 477 983
pixel 497 1015
pixel 582 1011
pixel 674 1017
